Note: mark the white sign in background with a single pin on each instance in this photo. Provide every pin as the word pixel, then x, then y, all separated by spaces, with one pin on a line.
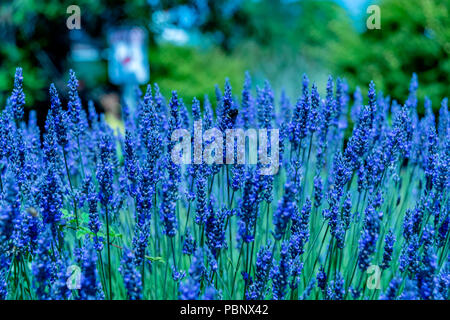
pixel 128 58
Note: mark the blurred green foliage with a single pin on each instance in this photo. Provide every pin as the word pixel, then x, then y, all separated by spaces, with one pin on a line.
pixel 34 35
pixel 290 38
pixel 274 39
pixel 193 72
pixel 414 37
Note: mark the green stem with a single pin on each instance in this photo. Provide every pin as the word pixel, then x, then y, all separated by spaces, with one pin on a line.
pixel 109 253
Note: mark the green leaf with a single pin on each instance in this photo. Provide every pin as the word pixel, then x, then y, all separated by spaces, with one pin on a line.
pixel 83 231
pixel 66 214
pixel 155 259
pixel 84 217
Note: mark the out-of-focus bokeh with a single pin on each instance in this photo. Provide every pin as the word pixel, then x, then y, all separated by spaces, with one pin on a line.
pixel 192 45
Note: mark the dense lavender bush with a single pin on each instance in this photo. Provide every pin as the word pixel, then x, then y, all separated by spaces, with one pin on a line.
pixel 359 217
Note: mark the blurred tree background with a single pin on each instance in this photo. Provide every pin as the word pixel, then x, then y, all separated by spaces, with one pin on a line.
pixel 195 44
pixel 34 36
pixel 414 37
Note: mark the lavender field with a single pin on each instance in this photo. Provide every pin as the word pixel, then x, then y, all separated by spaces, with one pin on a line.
pixel 357 207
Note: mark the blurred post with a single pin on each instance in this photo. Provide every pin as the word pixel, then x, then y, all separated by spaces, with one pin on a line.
pixel 128 61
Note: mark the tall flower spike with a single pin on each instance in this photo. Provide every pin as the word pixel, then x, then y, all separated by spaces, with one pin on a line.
pixel 280 273
pixel 145 193
pixel 340 175
pixel 147 117
pixel 90 284
pixel 330 105
pixel 59 288
pixel 300 230
pixel 201 209
pixel 444 120
pixel 389 242
pixel 318 192
pixel 339 287
pixel 161 108
pixel 94 221
pixel 411 102
pixel 140 241
pixel 43 267
pixel 409 258
pixel 228 112
pixel 189 245
pixel 441 174
pixel 238 173
pixel 336 224
pixel 167 209
pixel 305 85
pixel 131 276
pixel 57 116
pixel 341 103
pixel 313 115
pixel 266 107
pixel 347 211
pixel 372 95
pixel 426 276
pixel 175 119
pixel 74 105
pixel 327 112
pixel 264 260
pixel 431 155
pixel 215 230
pixel 286 209
pixel 299 124
pixel 51 200
pixel 208 116
pixel 369 237
pixel 131 163
pixel 322 279
pixel 442 232
pixel 392 291
pixel 196 113
pixel 248 208
pixel 184 115
pixel 50 145
pixel 190 288
pixel 218 95
pixel 105 173
pixel 170 187
pixel 429 115
pixel 17 99
pixel 4 270
pixel 359 141
pixel 247 102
